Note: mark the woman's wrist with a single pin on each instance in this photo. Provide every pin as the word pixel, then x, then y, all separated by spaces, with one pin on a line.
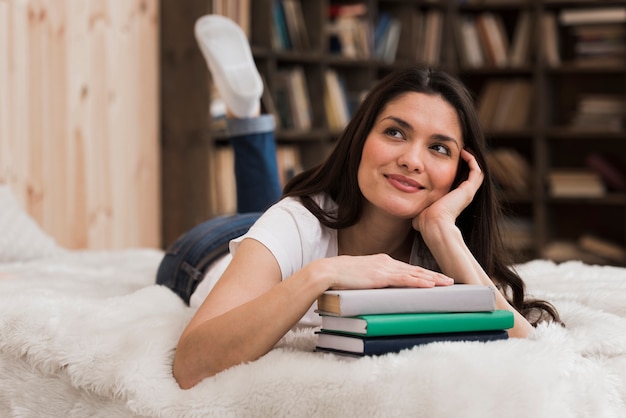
pixel 435 231
pixel 318 276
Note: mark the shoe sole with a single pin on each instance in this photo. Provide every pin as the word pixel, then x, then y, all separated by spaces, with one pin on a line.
pixel 227 53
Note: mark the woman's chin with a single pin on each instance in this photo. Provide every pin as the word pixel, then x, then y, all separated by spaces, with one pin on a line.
pixel 402 212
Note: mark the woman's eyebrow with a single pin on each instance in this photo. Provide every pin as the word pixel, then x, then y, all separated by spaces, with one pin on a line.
pixel 445 138
pixel 405 125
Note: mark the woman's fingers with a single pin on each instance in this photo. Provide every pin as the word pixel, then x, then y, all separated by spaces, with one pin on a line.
pixel 421 277
pixel 381 270
pixel 476 174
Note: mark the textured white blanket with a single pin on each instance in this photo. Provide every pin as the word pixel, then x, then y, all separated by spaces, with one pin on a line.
pixel 87 334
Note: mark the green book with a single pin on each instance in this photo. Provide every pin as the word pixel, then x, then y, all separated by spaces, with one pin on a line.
pixel 419 323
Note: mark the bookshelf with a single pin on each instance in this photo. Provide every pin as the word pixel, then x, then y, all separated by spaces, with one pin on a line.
pixel 529 57
pixel 573 112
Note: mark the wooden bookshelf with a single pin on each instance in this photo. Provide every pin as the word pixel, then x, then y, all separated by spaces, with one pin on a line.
pixel 564 128
pixel 547 83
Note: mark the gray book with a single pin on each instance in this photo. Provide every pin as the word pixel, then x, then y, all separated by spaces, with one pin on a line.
pixel 454 298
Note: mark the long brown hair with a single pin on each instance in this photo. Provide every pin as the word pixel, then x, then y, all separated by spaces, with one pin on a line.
pixel 478 223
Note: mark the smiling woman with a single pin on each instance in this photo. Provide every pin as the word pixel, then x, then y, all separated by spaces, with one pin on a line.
pixel 403 200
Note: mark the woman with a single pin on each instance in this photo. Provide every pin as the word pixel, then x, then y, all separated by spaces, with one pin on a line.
pixel 404 199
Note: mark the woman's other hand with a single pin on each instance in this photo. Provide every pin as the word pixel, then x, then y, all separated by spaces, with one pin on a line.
pixel 450 206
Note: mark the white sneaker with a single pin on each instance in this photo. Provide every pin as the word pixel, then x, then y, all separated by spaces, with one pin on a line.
pixel 227 53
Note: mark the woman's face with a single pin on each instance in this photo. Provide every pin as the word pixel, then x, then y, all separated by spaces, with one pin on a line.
pixel 411 155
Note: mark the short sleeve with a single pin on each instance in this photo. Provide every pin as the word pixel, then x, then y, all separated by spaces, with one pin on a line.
pixel 293 235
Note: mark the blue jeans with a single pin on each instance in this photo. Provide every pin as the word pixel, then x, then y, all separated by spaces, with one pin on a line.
pixel 256 173
pixel 256 169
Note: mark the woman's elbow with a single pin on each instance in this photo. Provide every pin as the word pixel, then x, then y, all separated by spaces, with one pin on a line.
pixel 183 379
pixel 181 373
pixel 186 368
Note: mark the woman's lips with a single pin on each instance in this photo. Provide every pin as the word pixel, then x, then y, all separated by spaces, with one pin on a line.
pixel 403 183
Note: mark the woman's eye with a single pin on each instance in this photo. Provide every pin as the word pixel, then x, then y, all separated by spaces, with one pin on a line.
pixel 394 133
pixel 442 149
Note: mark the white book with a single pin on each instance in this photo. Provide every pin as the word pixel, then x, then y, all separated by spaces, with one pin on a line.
pixel 454 298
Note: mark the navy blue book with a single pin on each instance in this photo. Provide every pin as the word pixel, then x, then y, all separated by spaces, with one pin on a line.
pixel 358 345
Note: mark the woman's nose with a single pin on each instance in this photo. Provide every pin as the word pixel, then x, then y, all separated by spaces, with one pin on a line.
pixel 411 159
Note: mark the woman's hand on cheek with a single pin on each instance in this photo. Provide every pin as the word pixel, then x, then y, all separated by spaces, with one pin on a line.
pixel 376 271
pixel 450 206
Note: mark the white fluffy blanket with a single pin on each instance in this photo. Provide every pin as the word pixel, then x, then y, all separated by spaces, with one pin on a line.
pixel 86 334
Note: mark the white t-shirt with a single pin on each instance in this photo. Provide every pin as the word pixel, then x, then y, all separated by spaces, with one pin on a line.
pixel 293 235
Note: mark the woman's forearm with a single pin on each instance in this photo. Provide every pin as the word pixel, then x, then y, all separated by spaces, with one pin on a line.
pixel 246 332
pixel 455 260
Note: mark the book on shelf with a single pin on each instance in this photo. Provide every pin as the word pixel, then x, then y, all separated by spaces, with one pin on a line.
pixel 488 99
pixel 575 183
pixel 347 10
pixel 471 51
pixel 268 105
pixel 300 99
pixel 349 31
pixel 292 103
pixel 453 298
pixel 505 104
pixel 510 169
pixel 551 51
pixel 601 112
pixel 587 15
pixel 381 27
pixel 296 25
pixel 603 248
pixel 280 33
pixel 519 52
pixel 517 232
pixel 588 248
pixel 418 323
pixel 612 173
pixel 289 162
pixel 282 100
pixel 599 44
pixel 431 48
pixel 387 37
pixel 514 104
pixel 372 346
pixel 493 38
pixel 482 39
pixel 560 251
pixel 335 101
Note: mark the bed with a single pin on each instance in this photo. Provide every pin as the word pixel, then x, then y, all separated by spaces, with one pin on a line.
pixel 88 334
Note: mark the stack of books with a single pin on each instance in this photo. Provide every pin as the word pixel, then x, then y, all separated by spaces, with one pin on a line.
pixel 379 321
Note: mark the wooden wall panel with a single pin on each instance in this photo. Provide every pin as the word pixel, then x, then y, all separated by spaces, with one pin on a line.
pixel 79 118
